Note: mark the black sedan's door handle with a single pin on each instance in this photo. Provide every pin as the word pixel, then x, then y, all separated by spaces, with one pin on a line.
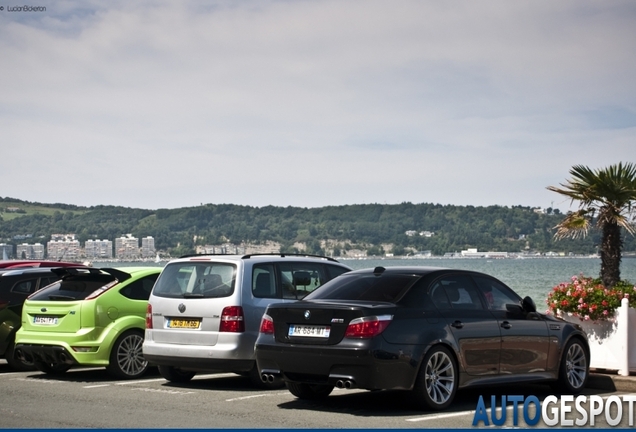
pixel 506 325
pixel 457 324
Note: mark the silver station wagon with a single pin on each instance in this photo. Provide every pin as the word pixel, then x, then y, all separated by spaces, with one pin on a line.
pixel 205 311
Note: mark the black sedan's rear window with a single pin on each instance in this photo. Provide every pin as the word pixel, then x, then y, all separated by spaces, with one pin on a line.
pixel 368 287
pixel 74 288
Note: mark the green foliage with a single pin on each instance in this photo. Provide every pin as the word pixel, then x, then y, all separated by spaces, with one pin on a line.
pixel 493 228
pixel 588 299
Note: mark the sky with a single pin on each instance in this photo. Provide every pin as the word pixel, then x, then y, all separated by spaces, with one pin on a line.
pixel 169 104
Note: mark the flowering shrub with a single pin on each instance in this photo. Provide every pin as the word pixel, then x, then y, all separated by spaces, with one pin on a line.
pixel 588 299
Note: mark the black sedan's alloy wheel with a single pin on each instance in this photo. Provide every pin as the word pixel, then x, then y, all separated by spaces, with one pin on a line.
pixel 437 381
pixel 573 371
pixel 126 358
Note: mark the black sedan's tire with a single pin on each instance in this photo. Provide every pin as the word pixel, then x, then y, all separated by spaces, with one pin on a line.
pixel 51 368
pixel 176 375
pixel 574 368
pixel 437 381
pixel 126 358
pixel 310 391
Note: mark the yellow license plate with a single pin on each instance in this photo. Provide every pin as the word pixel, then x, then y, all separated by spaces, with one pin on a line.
pixel 180 323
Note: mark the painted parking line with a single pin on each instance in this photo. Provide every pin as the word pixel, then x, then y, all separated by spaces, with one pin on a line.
pixel 257 396
pixel 442 416
pixel 96 386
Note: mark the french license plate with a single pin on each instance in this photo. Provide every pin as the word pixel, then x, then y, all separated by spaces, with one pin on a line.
pixel 184 323
pixel 46 320
pixel 309 331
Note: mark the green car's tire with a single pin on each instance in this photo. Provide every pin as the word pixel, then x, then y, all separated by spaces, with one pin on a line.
pixel 16 363
pixel 126 358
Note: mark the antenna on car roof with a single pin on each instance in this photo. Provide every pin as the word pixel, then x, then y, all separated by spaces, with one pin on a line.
pixel 378 270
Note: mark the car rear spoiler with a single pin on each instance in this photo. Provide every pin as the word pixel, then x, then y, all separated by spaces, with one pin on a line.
pixel 67 271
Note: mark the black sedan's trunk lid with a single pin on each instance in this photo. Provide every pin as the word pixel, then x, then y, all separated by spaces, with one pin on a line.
pixel 320 323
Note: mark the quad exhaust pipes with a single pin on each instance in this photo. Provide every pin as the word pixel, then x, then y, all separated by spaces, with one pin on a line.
pixel 345 384
pixel 267 377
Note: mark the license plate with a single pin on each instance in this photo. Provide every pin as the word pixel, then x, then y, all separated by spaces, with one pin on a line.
pixel 184 323
pixel 309 331
pixel 46 320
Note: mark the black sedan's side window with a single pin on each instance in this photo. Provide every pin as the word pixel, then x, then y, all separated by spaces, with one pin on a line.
pixel 497 295
pixel 455 292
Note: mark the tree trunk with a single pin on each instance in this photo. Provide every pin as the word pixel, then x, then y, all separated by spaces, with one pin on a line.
pixel 611 246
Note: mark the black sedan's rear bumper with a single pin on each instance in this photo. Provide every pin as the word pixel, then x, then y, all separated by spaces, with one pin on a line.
pixel 374 365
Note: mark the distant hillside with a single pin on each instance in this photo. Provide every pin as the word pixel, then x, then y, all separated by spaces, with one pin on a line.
pixel 375 228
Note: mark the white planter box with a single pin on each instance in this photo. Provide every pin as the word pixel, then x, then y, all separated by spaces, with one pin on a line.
pixel 612 343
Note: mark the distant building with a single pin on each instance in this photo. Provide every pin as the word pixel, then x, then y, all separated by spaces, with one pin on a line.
pixel 226 249
pixel 127 247
pixel 30 251
pixel 472 253
pixel 148 247
pixel 67 250
pixel 98 249
pixel 6 251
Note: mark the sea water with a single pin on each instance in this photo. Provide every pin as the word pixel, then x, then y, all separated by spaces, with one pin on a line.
pixel 534 277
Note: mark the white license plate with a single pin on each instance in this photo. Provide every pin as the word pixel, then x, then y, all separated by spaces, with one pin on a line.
pixel 44 320
pixel 309 331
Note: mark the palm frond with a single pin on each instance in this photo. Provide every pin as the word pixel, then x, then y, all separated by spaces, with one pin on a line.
pixel 575 225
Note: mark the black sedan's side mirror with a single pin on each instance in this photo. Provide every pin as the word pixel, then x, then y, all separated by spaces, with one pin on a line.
pixel 527 304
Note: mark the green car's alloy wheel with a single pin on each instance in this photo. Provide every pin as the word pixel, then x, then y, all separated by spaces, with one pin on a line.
pixel 126 358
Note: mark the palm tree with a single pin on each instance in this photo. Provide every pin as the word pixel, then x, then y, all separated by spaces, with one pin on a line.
pixel 608 196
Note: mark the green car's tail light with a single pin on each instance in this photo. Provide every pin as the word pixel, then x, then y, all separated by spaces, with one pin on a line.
pixel 232 320
pixel 149 316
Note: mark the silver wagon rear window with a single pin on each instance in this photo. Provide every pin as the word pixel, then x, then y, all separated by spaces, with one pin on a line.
pixel 196 280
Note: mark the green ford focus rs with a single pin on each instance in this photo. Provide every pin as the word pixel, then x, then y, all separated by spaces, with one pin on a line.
pixel 91 317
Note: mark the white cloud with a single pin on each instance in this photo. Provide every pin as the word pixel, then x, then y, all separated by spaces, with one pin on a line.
pixel 313 103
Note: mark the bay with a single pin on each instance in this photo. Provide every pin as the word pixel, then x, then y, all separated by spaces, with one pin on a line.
pixel 534 277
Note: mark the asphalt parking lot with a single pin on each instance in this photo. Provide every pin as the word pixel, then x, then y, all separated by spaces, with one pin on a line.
pixel 89 398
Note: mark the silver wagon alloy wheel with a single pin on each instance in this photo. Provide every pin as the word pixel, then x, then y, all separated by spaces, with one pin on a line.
pixel 576 366
pixel 127 360
pixel 440 377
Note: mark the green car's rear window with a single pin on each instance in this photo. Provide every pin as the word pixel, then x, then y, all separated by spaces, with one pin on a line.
pixel 74 288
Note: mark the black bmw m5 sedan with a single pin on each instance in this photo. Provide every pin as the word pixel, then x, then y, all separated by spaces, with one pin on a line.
pixel 426 329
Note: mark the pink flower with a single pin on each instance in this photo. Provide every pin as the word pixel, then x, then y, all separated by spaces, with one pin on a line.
pixel 586 317
pixel 605 312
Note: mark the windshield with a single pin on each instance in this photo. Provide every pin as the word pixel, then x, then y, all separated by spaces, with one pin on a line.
pixel 369 287
pixel 196 279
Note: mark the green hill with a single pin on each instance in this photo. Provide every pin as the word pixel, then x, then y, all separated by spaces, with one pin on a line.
pixel 375 228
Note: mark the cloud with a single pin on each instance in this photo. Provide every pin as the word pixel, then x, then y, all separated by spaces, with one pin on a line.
pixel 312 103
